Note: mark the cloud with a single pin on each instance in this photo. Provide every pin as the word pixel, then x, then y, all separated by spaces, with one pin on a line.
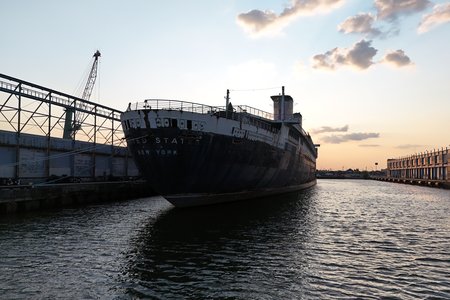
pixel 388 11
pixel 369 146
pixel 397 58
pixel 324 129
pixel 257 21
pixel 439 15
pixel 391 10
pixel 361 23
pixel 359 56
pixel 410 146
pixel 342 138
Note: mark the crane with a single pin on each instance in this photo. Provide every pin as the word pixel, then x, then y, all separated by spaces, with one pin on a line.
pixel 74 117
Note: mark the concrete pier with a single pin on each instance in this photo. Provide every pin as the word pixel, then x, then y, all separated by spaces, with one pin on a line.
pixel 29 198
pixel 412 181
pixel 430 168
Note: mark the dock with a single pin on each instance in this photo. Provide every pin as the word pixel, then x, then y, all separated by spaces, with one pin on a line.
pixel 412 181
pixel 57 150
pixel 16 199
pixel 429 168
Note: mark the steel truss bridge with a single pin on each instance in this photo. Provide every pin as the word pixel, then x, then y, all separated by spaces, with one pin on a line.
pixel 35 117
pixel 30 108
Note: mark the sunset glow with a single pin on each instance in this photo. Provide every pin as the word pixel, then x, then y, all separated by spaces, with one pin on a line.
pixel 371 78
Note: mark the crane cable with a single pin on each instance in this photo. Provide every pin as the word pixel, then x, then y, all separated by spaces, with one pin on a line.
pixel 255 89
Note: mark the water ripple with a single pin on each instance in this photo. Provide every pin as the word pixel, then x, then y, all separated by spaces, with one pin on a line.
pixel 340 239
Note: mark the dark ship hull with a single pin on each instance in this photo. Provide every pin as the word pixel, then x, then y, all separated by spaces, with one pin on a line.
pixel 191 162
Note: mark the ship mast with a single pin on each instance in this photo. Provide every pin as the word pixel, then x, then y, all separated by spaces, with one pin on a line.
pixel 227 98
pixel 282 104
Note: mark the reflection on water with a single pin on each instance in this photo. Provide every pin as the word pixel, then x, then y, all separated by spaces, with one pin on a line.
pixel 231 249
pixel 73 253
pixel 339 239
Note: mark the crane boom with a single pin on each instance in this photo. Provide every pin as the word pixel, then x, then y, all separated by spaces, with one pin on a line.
pixel 91 79
pixel 75 118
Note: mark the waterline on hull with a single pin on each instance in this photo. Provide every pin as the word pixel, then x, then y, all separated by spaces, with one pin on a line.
pixel 189 200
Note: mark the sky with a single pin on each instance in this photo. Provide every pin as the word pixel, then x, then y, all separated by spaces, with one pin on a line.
pixel 370 77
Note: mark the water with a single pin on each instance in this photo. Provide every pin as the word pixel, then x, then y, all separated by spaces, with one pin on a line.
pixel 340 239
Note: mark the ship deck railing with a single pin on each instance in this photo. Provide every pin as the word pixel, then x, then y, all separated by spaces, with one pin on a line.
pixel 239 111
pixel 159 104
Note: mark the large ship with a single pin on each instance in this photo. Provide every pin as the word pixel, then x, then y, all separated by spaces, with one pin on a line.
pixel 194 154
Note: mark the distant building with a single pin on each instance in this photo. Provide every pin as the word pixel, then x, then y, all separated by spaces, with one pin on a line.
pixel 430 168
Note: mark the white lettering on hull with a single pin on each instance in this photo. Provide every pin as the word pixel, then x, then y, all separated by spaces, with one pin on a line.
pixel 239 133
pixel 165 140
pixel 159 140
pixel 159 152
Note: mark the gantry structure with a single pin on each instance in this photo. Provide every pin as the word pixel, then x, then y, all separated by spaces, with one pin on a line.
pixel 26 107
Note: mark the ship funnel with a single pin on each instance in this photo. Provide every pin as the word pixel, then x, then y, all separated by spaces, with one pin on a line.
pixel 282 112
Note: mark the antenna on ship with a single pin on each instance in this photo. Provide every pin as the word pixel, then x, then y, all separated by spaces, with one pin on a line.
pixel 227 98
pixel 282 104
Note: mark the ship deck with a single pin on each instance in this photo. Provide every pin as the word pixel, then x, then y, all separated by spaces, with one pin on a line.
pixel 165 104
